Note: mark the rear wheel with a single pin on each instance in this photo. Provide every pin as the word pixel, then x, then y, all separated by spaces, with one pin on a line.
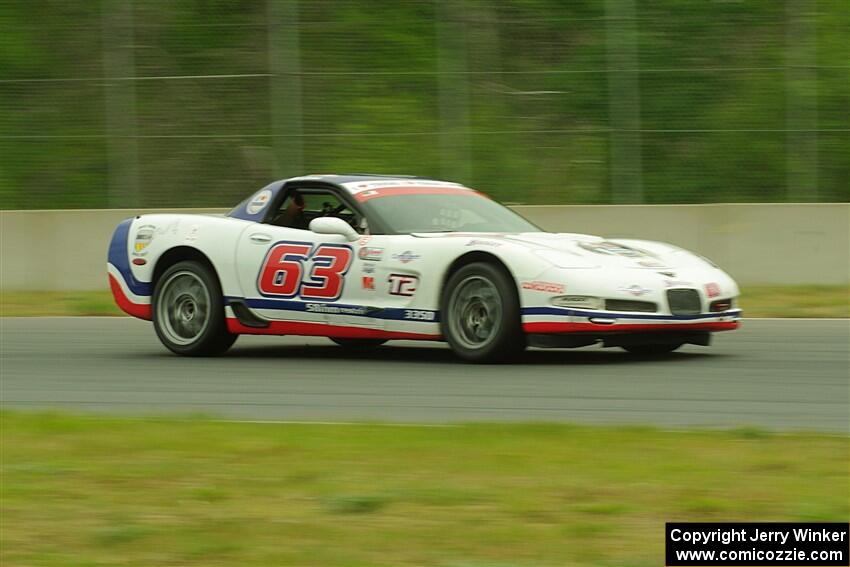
pixel 357 343
pixel 480 314
pixel 653 349
pixel 188 311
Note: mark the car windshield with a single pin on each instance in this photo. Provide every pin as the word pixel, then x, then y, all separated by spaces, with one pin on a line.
pixel 464 212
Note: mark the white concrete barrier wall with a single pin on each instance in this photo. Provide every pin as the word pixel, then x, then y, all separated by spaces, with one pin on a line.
pixel 755 243
pixel 65 250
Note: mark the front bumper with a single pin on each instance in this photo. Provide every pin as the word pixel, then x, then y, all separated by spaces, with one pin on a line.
pixel 564 320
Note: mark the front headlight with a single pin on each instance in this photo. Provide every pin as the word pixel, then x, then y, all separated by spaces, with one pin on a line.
pixel 707 261
pixel 577 301
pixel 721 305
pixel 563 259
pixel 686 257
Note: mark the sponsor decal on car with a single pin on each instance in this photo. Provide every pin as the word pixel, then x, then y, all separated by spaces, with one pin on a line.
pixel 364 240
pixel 143 239
pixel 419 315
pixel 259 202
pixel 712 289
pixel 677 283
pixel 634 289
pixel 171 228
pixel 302 269
pixel 403 284
pixel 368 268
pixel 192 235
pixel 371 254
pixel 478 242
pixel 651 264
pixel 547 287
pixel 406 257
pixel 368 283
pixel 336 309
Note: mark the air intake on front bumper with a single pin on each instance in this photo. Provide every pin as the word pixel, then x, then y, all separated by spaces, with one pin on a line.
pixel 684 301
pixel 630 305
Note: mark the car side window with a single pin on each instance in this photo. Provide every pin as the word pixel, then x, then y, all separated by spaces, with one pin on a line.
pixel 303 205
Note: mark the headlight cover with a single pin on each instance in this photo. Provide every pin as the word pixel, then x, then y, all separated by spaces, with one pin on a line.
pixel 577 301
pixel 563 259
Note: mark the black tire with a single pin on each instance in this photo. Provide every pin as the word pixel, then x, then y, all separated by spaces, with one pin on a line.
pixel 357 343
pixel 188 311
pixel 653 349
pixel 480 314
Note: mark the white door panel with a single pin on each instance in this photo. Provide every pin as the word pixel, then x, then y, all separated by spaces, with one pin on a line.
pixel 298 275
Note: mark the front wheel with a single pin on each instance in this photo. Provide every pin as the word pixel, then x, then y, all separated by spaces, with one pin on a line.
pixel 653 349
pixel 480 314
pixel 188 311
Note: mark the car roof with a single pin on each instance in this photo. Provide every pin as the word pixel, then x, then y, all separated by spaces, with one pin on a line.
pixel 351 180
pixel 365 185
pixel 340 178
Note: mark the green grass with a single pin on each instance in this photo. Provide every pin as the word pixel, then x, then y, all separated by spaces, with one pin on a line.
pixel 757 301
pixel 108 491
pixel 796 301
pixel 57 303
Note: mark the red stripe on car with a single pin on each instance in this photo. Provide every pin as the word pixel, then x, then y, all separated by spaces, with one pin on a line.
pixel 368 194
pixel 140 310
pixel 322 330
pixel 556 327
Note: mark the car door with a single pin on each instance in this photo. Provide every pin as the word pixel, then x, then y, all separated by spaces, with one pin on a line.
pixel 291 274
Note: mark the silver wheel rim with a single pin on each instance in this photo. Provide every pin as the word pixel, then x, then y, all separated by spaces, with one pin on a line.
pixel 475 312
pixel 183 308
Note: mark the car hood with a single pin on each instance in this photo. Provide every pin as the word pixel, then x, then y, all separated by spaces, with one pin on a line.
pixel 586 251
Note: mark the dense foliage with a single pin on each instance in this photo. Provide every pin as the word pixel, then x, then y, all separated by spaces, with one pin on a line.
pixel 738 101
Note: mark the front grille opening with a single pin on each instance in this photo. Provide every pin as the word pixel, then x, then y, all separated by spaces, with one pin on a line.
pixel 684 301
pixel 720 305
pixel 630 305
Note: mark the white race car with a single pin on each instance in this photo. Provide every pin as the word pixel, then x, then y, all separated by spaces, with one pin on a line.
pixel 363 259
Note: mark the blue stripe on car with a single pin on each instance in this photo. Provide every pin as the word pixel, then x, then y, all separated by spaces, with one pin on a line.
pixel 397 314
pixel 390 313
pixel 564 312
pixel 117 256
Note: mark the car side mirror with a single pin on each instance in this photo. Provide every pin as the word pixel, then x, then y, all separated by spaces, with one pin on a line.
pixel 333 225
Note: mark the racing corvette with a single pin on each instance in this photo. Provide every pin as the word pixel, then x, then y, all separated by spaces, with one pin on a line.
pixel 363 259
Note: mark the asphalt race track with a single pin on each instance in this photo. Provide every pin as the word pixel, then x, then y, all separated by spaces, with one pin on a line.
pixel 778 374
